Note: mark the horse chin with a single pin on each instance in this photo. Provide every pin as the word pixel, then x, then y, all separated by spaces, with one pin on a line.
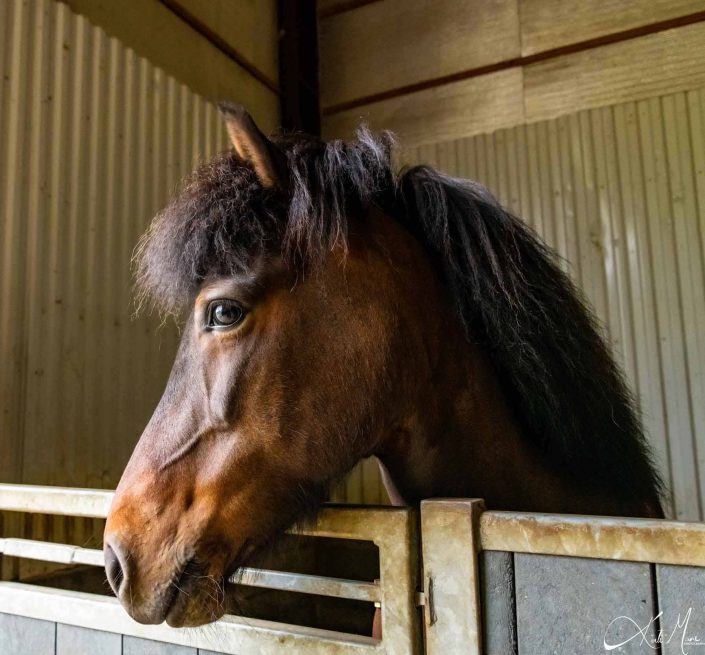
pixel 201 595
pixel 197 605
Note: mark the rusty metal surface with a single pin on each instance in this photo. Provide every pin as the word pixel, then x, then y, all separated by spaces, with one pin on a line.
pixel 636 540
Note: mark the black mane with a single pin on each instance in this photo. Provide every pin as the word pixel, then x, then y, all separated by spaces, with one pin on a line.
pixel 559 377
pixel 222 218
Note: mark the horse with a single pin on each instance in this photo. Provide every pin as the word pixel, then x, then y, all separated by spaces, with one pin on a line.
pixel 334 308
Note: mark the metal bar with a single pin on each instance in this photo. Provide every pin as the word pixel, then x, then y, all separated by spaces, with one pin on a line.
pixel 399 576
pixel 450 546
pixel 66 501
pixel 637 540
pixel 49 552
pixel 307 584
pixel 231 634
pixel 365 523
pixel 341 522
pixel 298 582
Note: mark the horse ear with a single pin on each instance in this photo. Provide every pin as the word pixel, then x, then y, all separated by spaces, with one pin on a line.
pixel 254 147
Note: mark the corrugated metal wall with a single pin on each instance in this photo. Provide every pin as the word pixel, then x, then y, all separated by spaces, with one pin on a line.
pixel 92 141
pixel 619 192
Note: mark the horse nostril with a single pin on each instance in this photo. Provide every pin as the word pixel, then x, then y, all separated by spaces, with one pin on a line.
pixel 114 569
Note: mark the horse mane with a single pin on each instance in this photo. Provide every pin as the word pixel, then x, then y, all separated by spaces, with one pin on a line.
pixel 566 392
pixel 560 379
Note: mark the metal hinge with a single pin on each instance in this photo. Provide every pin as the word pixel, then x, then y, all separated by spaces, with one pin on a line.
pixel 429 609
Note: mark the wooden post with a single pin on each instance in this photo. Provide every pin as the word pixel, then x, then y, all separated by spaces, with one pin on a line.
pixel 450 544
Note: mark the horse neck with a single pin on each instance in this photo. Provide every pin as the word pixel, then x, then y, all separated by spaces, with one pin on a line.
pixel 460 439
pixel 448 429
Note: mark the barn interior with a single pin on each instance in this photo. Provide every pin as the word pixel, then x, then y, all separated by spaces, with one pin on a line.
pixel 587 119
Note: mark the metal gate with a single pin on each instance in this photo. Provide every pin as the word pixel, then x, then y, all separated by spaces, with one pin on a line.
pixel 453 578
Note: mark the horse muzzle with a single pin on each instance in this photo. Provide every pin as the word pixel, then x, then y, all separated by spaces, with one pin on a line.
pixel 165 562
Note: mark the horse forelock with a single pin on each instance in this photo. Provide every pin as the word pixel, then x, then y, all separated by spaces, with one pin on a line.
pixel 222 218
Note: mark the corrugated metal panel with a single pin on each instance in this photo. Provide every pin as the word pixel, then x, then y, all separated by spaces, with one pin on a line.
pixel 92 141
pixel 619 192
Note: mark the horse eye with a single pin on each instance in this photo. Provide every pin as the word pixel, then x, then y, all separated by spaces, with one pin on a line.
pixel 224 314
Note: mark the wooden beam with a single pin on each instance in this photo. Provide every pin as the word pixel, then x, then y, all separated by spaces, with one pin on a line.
pixel 216 40
pixel 298 66
pixel 508 63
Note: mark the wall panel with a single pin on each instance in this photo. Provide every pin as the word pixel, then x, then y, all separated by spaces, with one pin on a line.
pixel 639 68
pixel 250 26
pixel 439 69
pixel 565 605
pixel 155 32
pixel 409 42
pixel 549 24
pixel 475 105
pixel 94 140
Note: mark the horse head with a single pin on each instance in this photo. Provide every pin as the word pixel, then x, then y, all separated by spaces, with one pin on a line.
pixel 334 310
pixel 293 364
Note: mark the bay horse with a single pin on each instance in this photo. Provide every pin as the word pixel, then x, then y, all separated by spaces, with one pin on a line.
pixel 335 309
